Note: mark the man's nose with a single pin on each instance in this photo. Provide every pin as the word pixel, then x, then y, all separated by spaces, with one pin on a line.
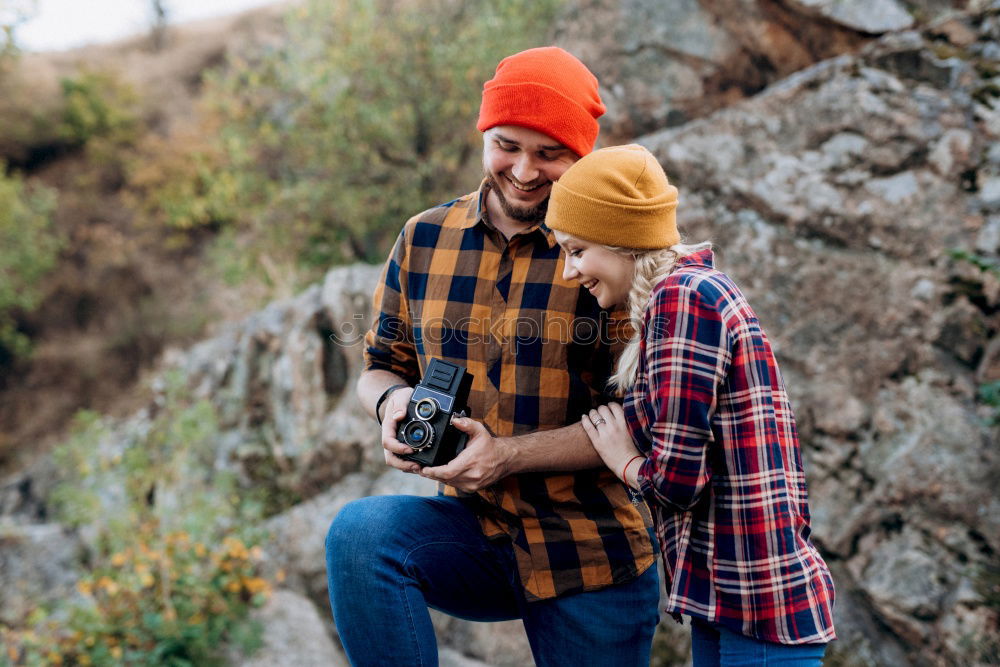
pixel 524 169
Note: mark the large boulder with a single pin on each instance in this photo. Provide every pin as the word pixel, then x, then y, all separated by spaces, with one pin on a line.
pixel 847 202
pixel 294 635
pixel 283 384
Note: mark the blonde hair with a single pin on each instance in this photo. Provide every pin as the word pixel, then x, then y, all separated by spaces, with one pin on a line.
pixel 651 266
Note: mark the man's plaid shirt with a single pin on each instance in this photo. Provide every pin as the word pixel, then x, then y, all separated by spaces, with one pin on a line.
pixel 454 288
pixel 723 469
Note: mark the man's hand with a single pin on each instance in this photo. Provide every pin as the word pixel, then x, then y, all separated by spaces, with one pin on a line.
pixel 481 463
pixel 395 410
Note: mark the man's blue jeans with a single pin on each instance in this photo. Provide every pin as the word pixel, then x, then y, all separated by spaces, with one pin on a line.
pixel 715 646
pixel 390 557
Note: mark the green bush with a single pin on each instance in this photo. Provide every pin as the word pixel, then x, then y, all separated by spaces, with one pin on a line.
pixel 28 250
pixel 98 104
pixel 100 114
pixel 365 116
pixel 989 394
pixel 174 568
pixel 981 262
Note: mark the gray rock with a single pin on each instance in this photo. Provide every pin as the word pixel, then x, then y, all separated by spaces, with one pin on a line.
pixel 952 152
pixel 840 239
pixel 295 635
pixel 448 657
pixel 37 566
pixel 861 641
pixel 663 62
pixel 501 644
pixel 988 239
pixel 989 193
pixel 297 543
pixel 895 190
pixel 871 16
pixel 393 482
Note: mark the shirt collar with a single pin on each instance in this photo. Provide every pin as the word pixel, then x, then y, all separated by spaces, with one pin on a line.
pixel 539 231
pixel 704 257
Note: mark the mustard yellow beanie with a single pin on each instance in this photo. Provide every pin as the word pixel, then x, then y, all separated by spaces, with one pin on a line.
pixel 616 196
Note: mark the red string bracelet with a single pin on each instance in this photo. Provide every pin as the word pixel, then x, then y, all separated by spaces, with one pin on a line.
pixel 625 469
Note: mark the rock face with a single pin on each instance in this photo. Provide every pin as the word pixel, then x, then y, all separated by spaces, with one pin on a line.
pixel 839 200
pixel 664 62
pixel 856 202
pixel 283 385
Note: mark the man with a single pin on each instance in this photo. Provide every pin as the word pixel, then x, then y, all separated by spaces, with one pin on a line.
pixel 478 282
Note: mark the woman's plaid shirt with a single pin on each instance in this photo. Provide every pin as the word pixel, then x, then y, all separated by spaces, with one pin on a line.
pixel 724 471
pixel 454 288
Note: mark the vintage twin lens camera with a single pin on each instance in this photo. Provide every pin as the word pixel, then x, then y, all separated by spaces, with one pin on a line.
pixel 443 392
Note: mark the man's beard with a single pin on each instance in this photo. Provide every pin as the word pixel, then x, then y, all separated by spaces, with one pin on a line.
pixel 533 215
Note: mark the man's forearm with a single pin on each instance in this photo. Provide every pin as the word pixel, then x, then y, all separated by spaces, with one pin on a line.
pixel 372 384
pixel 566 448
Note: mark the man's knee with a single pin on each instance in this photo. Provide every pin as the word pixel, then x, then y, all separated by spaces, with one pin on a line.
pixel 357 526
pixel 371 527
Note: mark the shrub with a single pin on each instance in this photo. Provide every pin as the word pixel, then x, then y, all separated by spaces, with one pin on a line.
pixel 365 116
pixel 98 104
pixel 29 247
pixel 181 186
pixel 174 570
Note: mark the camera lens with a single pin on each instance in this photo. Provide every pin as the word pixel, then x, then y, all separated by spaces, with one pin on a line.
pixel 418 434
pixel 425 408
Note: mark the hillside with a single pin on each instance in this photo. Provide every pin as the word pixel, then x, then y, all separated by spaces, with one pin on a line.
pixel 119 293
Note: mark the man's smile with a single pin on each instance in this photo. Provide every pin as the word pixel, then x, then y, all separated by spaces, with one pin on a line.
pixel 519 186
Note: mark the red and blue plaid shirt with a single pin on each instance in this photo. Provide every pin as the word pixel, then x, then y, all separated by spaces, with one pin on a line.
pixel 723 470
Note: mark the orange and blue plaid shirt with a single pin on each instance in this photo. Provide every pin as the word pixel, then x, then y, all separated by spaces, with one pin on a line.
pixel 723 470
pixel 540 350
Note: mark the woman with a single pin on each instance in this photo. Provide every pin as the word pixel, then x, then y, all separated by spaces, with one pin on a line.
pixel 705 432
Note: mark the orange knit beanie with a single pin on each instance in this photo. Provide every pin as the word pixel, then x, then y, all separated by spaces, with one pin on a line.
pixel 545 89
pixel 616 196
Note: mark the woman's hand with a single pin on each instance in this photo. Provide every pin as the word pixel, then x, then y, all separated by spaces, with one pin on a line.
pixel 609 434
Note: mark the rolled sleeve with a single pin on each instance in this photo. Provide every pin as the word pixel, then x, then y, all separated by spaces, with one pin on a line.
pixel 687 354
pixel 389 343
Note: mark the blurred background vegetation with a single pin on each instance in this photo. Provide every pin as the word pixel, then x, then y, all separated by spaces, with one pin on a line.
pixel 127 226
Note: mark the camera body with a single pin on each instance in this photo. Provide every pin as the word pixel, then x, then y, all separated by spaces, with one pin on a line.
pixel 441 393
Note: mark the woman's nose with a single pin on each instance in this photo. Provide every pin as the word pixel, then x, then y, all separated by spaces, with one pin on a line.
pixel 569 271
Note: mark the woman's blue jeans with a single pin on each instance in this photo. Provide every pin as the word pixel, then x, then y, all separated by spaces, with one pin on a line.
pixel 714 646
pixel 389 558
